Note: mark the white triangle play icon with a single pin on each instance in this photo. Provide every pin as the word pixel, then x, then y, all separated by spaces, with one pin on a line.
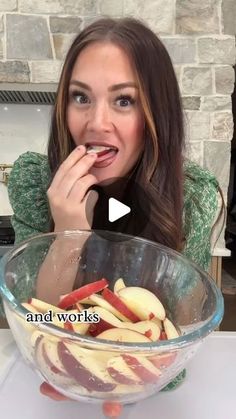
pixel 116 210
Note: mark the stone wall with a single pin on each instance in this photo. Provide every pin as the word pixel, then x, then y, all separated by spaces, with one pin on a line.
pixel 199 35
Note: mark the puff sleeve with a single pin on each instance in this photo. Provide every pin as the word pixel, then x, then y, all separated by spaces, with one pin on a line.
pixel 201 198
pixel 27 187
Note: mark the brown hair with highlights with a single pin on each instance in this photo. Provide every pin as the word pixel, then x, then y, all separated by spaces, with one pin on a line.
pixel 160 167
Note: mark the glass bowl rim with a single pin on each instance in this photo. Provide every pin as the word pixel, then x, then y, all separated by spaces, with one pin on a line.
pixel 104 344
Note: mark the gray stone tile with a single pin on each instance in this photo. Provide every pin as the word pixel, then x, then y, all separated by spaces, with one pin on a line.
pixel 217 160
pixel 229 16
pixel 191 102
pixel 1 48
pixel 110 7
pixel 8 5
pixel 65 24
pixel 216 50
pixel 197 81
pixel 158 14
pixel 216 103
pixel 198 125
pixel 200 17
pixel 62 43
pixel 14 71
pixel 27 37
pixel 194 151
pixel 181 50
pixel 1 23
pixel 222 126
pixel 224 79
pixel 52 6
pixel 45 71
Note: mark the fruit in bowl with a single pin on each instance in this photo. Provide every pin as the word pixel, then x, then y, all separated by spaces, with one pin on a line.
pixel 119 322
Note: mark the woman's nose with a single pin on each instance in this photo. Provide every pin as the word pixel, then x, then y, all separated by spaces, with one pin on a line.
pixel 99 118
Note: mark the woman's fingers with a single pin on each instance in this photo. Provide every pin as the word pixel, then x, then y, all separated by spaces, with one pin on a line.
pixel 47 390
pixel 76 173
pixel 70 161
pixel 81 187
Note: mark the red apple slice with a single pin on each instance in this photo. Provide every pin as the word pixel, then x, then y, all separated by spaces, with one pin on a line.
pixel 163 361
pixel 144 369
pixel 107 321
pixel 80 328
pixel 142 302
pixel 119 284
pixel 146 327
pixel 82 292
pixel 123 335
pixel 120 372
pixel 50 372
pixel 119 305
pixel 50 355
pixel 86 370
pixel 99 300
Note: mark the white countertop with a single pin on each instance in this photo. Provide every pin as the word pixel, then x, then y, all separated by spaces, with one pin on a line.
pixel 208 392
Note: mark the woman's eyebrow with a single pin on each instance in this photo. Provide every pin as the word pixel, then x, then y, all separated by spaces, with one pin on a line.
pixel 110 89
pixel 122 86
pixel 80 84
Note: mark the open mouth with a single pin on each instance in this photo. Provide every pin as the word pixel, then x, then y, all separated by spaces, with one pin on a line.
pixel 106 154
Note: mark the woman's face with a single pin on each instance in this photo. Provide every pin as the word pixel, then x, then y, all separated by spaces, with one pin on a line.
pixel 104 109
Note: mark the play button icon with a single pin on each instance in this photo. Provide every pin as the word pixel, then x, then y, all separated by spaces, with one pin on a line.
pixel 123 206
pixel 116 209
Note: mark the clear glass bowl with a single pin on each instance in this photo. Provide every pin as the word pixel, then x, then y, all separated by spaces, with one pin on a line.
pixel 77 365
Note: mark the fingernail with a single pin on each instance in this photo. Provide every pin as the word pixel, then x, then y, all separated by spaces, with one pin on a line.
pixel 92 154
pixel 79 147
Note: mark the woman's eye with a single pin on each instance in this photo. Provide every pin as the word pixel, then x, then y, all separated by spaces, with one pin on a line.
pixel 125 101
pixel 80 98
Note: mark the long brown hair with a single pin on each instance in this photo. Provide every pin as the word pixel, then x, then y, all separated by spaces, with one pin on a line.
pixel 160 168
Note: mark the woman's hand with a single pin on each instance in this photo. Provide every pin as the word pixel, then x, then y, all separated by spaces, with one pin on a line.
pixel 72 206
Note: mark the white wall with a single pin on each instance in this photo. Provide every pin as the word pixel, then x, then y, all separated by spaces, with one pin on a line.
pixel 22 128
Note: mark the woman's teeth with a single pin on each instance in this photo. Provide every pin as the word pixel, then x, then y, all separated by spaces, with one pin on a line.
pixel 98 149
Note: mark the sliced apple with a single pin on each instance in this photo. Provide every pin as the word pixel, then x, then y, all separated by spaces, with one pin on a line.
pixel 107 321
pixel 142 367
pixel 158 322
pixel 28 326
pixel 47 369
pixel 123 335
pixel 77 327
pixel 163 361
pixel 50 354
pixel 142 302
pixel 119 305
pixel 82 292
pixel 119 284
pixel 146 327
pixel 170 330
pixel 79 307
pixel 78 304
pixel 120 372
pixel 86 370
pixel 42 306
pixel 99 300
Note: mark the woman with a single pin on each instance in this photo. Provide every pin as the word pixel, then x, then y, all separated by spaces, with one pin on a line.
pixel 117 91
